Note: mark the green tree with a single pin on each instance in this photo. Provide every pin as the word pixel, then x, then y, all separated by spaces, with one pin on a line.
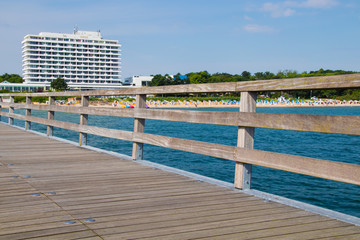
pixel 221 77
pixel 12 78
pixel 199 77
pixel 246 75
pixel 59 84
pixel 160 80
pixel 180 79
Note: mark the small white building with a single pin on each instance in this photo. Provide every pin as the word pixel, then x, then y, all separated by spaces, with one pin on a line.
pixel 20 87
pixel 138 81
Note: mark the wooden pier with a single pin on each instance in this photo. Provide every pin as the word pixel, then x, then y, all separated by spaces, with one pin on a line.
pixel 55 190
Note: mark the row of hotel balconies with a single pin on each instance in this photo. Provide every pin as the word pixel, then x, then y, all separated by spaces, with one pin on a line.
pixel 86 72
pixel 67 77
pixel 97 69
pixel 70 49
pixel 79 73
pixel 67 60
pixel 69 39
pixel 94 82
pixel 69 66
pixel 89 59
pixel 26 54
pixel 27 42
pixel 76 61
pixel 71 80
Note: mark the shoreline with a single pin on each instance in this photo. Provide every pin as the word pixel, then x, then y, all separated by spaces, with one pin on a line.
pixel 257 105
pixel 155 105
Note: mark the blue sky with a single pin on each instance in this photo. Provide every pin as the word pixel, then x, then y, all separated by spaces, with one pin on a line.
pixel 172 36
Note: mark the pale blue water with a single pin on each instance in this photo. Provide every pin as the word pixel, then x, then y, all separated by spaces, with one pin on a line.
pixel 329 194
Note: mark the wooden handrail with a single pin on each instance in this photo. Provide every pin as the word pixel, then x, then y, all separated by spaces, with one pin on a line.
pixel 308 83
pixel 297 122
pixel 245 120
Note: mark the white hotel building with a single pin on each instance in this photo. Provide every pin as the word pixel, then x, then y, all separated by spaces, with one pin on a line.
pixel 84 59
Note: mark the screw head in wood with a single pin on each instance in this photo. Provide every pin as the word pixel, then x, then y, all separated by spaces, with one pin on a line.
pixel 89 220
pixel 70 222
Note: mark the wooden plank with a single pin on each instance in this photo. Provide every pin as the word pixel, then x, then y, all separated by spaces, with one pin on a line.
pixel 118 112
pixel 208 149
pixel 118 134
pixel 337 171
pixel 308 83
pixel 344 232
pixel 44 232
pixel 192 229
pixel 298 122
pixel 323 82
pixel 255 231
pixel 83 235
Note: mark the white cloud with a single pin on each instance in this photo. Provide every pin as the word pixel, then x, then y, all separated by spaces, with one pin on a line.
pixel 319 3
pixel 288 8
pixel 258 28
pixel 278 10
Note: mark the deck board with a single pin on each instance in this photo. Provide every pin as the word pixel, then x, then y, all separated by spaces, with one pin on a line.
pixel 131 201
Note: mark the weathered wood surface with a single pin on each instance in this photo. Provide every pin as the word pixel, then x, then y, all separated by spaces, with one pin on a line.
pixel 297 122
pixel 139 126
pixel 243 171
pixel 83 120
pixel 131 201
pixel 323 82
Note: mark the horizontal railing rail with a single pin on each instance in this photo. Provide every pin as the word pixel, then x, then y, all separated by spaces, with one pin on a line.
pixel 246 120
pixel 308 83
pixel 298 122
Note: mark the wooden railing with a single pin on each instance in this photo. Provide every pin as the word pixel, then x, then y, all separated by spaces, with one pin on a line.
pixel 246 120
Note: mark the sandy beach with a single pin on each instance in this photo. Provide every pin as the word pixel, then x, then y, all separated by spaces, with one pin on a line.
pixel 214 104
pixel 229 104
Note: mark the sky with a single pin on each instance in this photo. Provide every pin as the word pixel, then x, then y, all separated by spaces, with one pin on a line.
pixel 182 36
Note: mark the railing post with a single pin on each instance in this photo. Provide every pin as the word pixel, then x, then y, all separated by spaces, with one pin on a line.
pixel 1 99
pixel 83 120
pixel 50 129
pixel 245 140
pixel 11 110
pixel 28 114
pixel 139 126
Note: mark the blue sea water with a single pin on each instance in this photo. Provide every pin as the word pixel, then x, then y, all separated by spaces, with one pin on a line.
pixel 325 193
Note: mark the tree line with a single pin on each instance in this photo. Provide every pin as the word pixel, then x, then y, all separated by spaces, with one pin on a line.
pixel 206 77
